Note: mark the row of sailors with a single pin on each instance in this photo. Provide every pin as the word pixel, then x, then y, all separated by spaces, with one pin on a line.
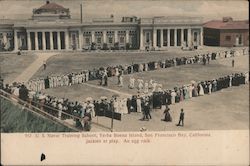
pixel 86 75
pixel 157 99
pixel 57 81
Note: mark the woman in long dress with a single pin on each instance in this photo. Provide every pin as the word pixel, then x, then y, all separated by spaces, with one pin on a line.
pixel 138 104
pixel 123 106
pixel 201 92
pixel 116 106
pixel 185 90
pixel 195 89
pixel 190 90
pixel 173 95
pixel 181 94
pixel 209 88
pixel 167 117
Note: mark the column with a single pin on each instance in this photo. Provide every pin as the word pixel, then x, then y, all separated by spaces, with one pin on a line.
pixel 44 40
pixel 189 37
pixel 116 36
pixel 28 41
pixel 58 41
pixel 175 37
pixel 141 40
pixel 5 38
pixel 80 38
pixel 168 37
pixel 127 36
pixel 15 41
pixel 36 41
pixel 93 36
pixel 104 33
pixel 154 37
pixel 51 41
pixel 161 38
pixel 201 37
pixel 66 40
pixel 182 36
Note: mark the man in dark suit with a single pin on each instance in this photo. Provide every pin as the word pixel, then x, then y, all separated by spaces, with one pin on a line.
pixel 181 120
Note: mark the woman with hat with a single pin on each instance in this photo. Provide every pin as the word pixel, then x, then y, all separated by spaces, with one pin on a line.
pixel 167 117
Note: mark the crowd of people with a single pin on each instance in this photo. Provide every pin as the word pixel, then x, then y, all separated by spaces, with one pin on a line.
pixel 103 73
pixel 150 95
pixel 141 103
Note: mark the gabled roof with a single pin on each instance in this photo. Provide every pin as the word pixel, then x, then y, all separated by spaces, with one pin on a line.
pixel 52 6
pixel 218 24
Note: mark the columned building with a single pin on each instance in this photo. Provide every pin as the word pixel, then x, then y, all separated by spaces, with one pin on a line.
pixel 51 28
pixel 163 32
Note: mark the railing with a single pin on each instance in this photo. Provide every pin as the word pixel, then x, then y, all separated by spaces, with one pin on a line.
pixel 51 113
pixel 38 111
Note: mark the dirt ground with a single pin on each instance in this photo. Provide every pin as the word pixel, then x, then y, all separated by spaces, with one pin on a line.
pixel 169 78
pixel 226 109
pixel 11 64
pixel 67 62
pixel 223 110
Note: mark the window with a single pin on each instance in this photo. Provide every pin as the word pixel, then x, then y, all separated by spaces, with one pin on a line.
pixel 240 39
pixel 9 34
pixel 147 37
pixel 86 33
pixel 98 33
pixel 228 38
pixel 87 41
pixel 122 39
pixel 110 40
pixel 99 40
pixel 195 36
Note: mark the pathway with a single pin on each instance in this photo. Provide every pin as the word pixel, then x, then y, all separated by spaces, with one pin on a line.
pixel 33 67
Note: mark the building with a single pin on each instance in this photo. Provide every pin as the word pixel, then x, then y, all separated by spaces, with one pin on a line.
pixel 226 32
pixel 52 28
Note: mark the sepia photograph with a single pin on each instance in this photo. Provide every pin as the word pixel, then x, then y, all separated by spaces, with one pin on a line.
pixel 125 68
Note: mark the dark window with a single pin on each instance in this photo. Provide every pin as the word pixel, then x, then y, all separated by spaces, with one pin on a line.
pixel 228 38
pixel 99 40
pixel 87 40
pixel 110 40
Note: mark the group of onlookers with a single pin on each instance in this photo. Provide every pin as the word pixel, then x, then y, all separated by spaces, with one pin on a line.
pixel 103 73
pixel 143 103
